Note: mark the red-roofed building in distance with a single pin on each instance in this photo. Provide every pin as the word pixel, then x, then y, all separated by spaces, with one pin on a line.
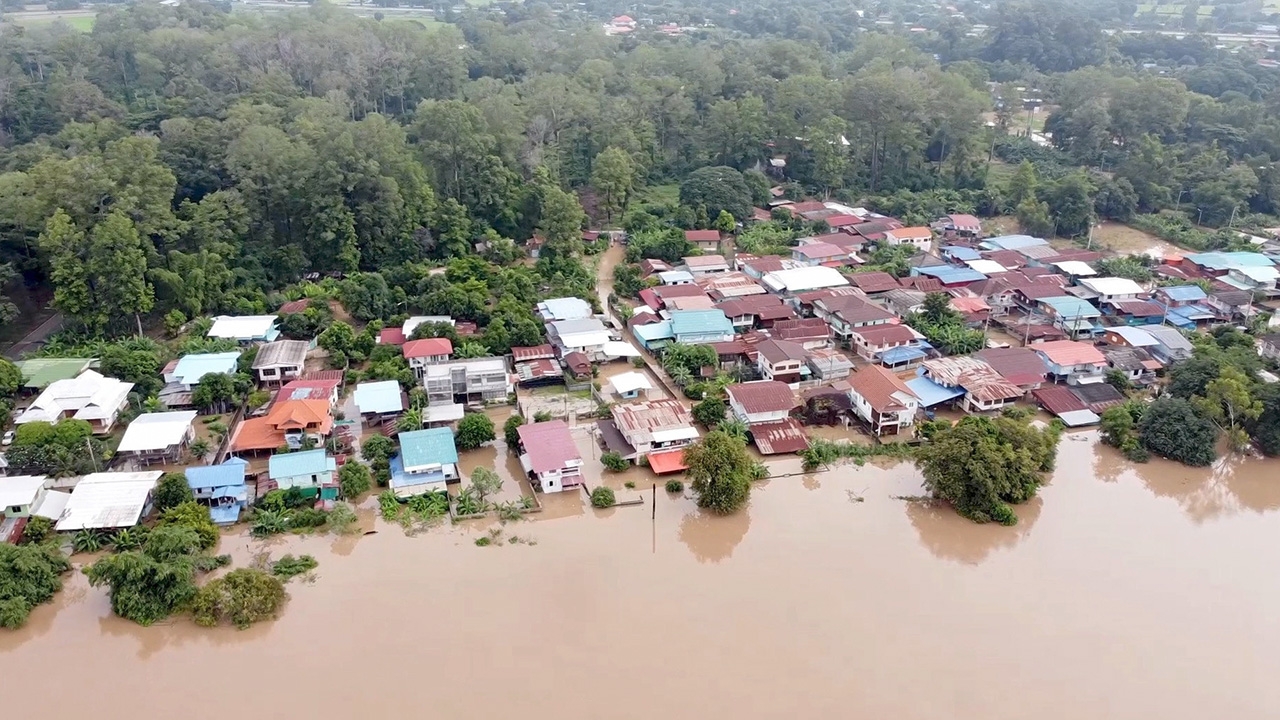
pixel 708 240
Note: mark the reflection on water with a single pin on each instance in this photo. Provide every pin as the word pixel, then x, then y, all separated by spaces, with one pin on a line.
pixel 1103 585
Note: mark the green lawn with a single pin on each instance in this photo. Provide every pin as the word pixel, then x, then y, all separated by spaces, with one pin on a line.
pixel 657 195
pixel 82 23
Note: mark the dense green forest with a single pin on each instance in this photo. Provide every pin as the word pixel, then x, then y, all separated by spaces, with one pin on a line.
pixel 181 161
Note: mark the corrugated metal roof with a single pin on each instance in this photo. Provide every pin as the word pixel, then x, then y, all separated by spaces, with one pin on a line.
pixel 383 396
pixel 433 446
pixel 776 438
pixel 227 474
pixel 156 431
pixel 1058 399
pixel 700 322
pixel 306 462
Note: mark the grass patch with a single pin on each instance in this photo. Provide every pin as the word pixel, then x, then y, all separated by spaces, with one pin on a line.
pixel 822 453
pixel 657 195
pixel 79 23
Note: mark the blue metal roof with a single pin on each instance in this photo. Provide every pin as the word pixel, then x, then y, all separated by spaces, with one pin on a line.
pixel 653 331
pixel 893 356
pixel 960 252
pixel 433 446
pixel 1228 260
pixel 1012 242
pixel 305 462
pixel 700 322
pixel 931 393
pixel 1184 293
pixel 1071 308
pixel 191 368
pixel 228 474
pixel 949 273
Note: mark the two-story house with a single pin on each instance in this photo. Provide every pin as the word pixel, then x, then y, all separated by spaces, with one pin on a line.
pixel 984 389
pixel 919 237
pixel 1112 288
pixel 159 437
pixel 426 351
pixel 872 341
pixel 585 335
pixel 288 422
pixel 847 313
pixel 882 400
pixel 782 361
pixel 700 265
pixel 755 311
pixel 90 396
pixel 762 401
pixel 467 380
pixel 221 487
pixel 550 456
pixel 810 333
pixel 1072 362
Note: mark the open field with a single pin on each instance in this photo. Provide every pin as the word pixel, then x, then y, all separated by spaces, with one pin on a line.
pixel 76 20
pixel 657 195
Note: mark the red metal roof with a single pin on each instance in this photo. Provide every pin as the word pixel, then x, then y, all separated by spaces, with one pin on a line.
pixel 873 282
pixel 877 335
pixel 801 329
pixel 776 438
pixel 548 445
pixel 836 221
pixel 427 347
pixel 293 307
pixel 391 336
pixel 1138 308
pixel 534 352
pixel 1020 366
pixel 702 235
pixel 1058 399
pixel 1071 352
pixel 878 385
pixel 670 461
pixel 762 396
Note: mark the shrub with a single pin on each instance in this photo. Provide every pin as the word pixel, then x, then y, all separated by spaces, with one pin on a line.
pixel 242 597
pixel 354 479
pixel 474 430
pixel 630 485
pixel 603 497
pixel 29 575
pixel 38 530
pixel 675 486
pixel 172 491
pixel 192 515
pixel 269 522
pixel 637 362
pixel 288 567
pixel 614 462
pixel 343 519
pixel 510 431
pixel 88 541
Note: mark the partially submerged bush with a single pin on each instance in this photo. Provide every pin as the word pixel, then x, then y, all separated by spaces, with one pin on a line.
pixel 603 497
pixel 675 486
pixel 242 597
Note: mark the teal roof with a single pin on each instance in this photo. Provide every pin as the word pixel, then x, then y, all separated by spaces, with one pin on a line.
pixel 1071 307
pixel 700 322
pixel 653 331
pixel 433 446
pixel 1228 260
pixel 305 462
pixel 191 368
pixel 39 372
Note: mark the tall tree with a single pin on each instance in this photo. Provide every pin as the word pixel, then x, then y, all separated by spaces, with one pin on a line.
pixel 613 176
pixel 117 265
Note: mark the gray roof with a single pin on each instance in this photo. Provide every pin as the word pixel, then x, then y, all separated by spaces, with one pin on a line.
pixel 1169 337
pixel 281 352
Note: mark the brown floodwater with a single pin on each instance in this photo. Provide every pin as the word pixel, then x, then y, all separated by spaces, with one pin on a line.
pixel 1125 592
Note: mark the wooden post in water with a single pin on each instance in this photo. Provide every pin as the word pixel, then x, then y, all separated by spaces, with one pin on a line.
pixel 654 514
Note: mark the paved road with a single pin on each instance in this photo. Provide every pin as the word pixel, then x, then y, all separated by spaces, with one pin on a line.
pixel 35 337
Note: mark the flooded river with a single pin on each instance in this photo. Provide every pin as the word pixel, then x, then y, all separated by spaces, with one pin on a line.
pixel 1124 593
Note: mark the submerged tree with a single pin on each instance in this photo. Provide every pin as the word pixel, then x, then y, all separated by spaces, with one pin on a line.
pixel 983 465
pixel 29 575
pixel 720 471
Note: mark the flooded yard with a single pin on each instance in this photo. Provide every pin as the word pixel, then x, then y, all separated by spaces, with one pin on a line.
pixel 1124 592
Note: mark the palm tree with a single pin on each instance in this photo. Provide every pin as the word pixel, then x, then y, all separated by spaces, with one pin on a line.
pixel 733 426
pixel 410 420
pixel 680 375
pixel 199 448
pixel 471 350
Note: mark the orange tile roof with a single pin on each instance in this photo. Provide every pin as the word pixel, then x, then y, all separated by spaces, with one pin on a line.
pixel 256 434
pixel 300 414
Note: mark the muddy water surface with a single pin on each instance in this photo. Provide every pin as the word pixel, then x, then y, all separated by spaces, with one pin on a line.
pixel 1123 593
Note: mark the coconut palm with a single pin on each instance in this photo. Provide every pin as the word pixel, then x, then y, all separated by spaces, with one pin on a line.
pixel 410 420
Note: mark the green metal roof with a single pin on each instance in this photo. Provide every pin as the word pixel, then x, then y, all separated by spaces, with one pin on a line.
pixel 433 446
pixel 39 372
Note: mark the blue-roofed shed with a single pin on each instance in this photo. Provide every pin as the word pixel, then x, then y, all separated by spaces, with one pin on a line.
pixel 427 461
pixel 1182 293
pixel 222 487
pixel 1220 261
pixel 653 335
pixel 931 393
pixel 309 470
pixel 899 358
pixel 1012 242
pixel 950 275
pixel 379 398
pixel 190 368
pixel 700 326
pixel 961 253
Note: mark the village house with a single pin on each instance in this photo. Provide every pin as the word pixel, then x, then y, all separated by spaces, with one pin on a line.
pixel 1219 264
pixel 959 226
pixel 675 277
pixel 882 400
pixel 1111 288
pixel 919 237
pixel 1134 312
pixel 1072 270
pixel 391 336
pixel 729 285
pixel 706 240
pixel 782 361
pixel 758 267
pixel 1021 366
pixel 21 497
pixel 307 387
pixel 1012 242
pixel 1126 336
pixel 1185 306
pixel 182 375
pixel 585 335
pixel 789 283
pixel 870 342
pixel 424 352
pixel 413 322
pixel 1269 346
pixel 652 266
pixel 468 380
pixel 903 302
pixel 288 422
pixel 699 327
pixel 848 313
pixel 985 389
pixel 649 429
pixel 762 401
pixel 755 311
pixel 699 265
pixel 427 462
pixel 959 253
pixel 1254 279
pixel 311 471
pixel 653 336
pixel 809 333
pixel 90 396
pixel 1231 304
pixel 108 501
pixel 280 361
pixel 1072 315
pixel 810 254
pixel 535 366
pixel 566 308
pixel 222 488
pixel 159 437
pixel 39 373
pixel 549 455
pixel 1063 403
pixel 949 276
pixel 245 329
pixel 695 302
pixel 1171 345
pixel 1072 362
pixel 1135 364
pixel 828 364
pixel 379 401
pixel 625 386
pixel 875 282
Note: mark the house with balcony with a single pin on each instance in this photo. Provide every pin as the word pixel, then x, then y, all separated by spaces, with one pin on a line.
pixel 550 456
pixel 222 488
pixel 919 237
pixel 585 335
pixel 755 311
pixel 782 361
pixel 882 400
pixel 292 423
pixel 985 390
pixel 468 380
pixel 159 437
pixel 870 342
pixel 845 314
pixel 426 351
pixel 810 333
pixel 1072 362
